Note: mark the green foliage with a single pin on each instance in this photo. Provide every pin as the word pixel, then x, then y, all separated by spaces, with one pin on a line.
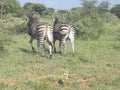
pixel 17 26
pixel 7 29
pixel 5 39
pixel 21 28
pixel 12 6
pixel 87 25
pixel 90 26
pixel 28 6
pixel 89 6
pixel 49 11
pixel 89 19
pixel 39 8
pixel 116 10
pixel 103 6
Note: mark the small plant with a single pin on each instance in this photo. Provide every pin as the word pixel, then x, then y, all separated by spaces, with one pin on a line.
pixel 66 74
pixel 61 82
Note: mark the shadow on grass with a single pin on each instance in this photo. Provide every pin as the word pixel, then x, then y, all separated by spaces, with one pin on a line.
pixel 27 51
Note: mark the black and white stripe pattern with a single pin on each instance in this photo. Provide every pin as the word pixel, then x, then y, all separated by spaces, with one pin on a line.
pixel 63 32
pixel 40 31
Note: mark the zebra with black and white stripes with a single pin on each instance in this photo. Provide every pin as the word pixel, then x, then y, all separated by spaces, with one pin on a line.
pixel 40 31
pixel 63 32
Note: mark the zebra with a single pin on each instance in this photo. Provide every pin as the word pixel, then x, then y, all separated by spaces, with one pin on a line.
pixel 63 32
pixel 40 31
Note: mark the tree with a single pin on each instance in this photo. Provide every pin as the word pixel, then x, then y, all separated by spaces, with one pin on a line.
pixel 1 8
pixel 63 15
pixel 28 6
pixel 116 10
pixel 89 23
pixel 88 5
pixel 103 6
pixel 12 6
pixel 39 8
pixel 49 11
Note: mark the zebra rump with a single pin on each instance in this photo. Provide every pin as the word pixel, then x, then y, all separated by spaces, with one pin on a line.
pixel 40 31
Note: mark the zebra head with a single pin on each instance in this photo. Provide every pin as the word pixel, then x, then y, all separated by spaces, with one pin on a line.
pixel 55 23
pixel 31 20
pixel 55 20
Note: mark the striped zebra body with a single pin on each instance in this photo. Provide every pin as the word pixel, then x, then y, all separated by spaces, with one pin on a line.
pixel 63 32
pixel 40 31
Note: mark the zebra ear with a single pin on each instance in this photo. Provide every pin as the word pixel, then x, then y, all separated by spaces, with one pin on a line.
pixel 53 19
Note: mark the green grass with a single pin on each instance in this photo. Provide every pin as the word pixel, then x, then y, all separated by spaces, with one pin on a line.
pixel 96 66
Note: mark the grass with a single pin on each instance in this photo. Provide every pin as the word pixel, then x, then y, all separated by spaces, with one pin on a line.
pixel 95 66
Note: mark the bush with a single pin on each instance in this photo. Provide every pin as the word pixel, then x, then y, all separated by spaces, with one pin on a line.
pixel 5 39
pixel 87 26
pixel 17 26
pixel 21 28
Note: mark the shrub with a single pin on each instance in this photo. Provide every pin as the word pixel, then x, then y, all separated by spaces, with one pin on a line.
pixel 21 28
pixel 88 26
pixel 5 39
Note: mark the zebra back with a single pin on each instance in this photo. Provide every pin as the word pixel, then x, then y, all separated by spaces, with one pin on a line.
pixel 39 29
pixel 64 29
pixel 61 28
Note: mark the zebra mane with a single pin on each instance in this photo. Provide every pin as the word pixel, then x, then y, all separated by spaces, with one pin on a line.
pixel 55 21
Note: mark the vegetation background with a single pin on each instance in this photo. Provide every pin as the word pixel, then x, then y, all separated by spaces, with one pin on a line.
pixel 96 65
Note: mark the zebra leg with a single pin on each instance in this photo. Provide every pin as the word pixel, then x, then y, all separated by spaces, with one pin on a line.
pixel 38 45
pixel 50 50
pixel 72 46
pixel 64 47
pixel 54 46
pixel 50 42
pixel 42 49
pixel 60 46
pixel 71 38
pixel 31 40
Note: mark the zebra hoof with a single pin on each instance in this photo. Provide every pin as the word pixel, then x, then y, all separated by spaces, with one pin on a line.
pixel 73 55
pixel 54 51
pixel 60 52
pixel 50 56
pixel 33 49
